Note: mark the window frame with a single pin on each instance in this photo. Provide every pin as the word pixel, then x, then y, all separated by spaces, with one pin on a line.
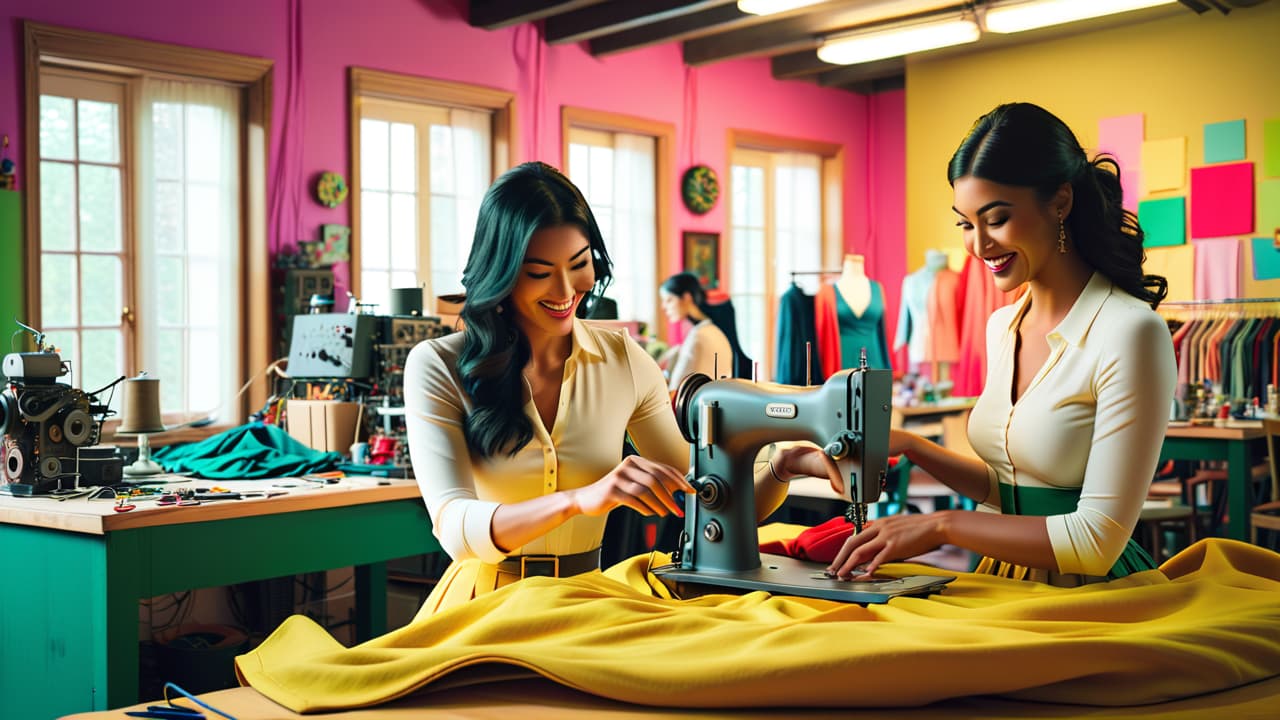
pixel 397 87
pixel 832 221
pixel 664 134
pixel 53 46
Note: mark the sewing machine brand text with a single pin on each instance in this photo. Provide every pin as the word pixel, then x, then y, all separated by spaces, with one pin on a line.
pixel 786 411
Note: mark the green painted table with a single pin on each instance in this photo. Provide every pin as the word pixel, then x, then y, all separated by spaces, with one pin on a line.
pixel 75 570
pixel 1234 443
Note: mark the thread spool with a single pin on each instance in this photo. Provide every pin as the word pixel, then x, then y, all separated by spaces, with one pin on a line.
pixel 141 406
pixel 406 301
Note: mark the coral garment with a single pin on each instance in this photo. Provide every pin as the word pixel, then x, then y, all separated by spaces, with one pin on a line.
pixel 943 345
pixel 976 298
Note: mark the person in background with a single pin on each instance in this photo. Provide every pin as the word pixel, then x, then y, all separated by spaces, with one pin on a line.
pixel 515 424
pixel 706 348
pixel 1069 425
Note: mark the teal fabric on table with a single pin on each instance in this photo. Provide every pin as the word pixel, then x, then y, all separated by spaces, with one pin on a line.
pixel 1041 502
pixel 247 452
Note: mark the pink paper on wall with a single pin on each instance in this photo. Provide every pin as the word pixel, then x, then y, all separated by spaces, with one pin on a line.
pixel 1217 269
pixel 1122 137
pixel 1222 200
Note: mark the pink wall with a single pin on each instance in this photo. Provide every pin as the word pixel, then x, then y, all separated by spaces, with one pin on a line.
pixel 431 38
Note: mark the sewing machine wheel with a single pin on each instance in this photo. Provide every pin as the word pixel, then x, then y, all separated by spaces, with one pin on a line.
pixel 77 426
pixel 14 463
pixel 684 395
pixel 8 411
pixel 51 467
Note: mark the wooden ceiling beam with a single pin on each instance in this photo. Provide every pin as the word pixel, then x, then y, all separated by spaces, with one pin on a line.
pixel 611 18
pixel 711 20
pixel 798 64
pixel 494 14
pixel 804 31
pixel 846 75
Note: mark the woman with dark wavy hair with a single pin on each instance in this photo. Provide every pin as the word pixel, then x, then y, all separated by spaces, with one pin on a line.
pixel 1080 375
pixel 516 423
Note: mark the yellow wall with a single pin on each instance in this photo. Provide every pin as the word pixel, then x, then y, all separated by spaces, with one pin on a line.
pixel 1181 72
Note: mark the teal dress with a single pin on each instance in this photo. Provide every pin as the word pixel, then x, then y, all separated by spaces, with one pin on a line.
pixel 863 331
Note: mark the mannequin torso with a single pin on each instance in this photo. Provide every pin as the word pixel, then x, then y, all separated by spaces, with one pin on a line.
pixel 854 285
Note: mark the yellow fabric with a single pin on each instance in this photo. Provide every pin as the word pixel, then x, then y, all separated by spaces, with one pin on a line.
pixel 1208 620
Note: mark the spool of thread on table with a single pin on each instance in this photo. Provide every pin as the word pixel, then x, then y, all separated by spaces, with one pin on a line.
pixel 406 301
pixel 141 406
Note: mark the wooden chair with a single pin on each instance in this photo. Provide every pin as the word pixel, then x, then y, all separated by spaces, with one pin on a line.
pixel 1267 515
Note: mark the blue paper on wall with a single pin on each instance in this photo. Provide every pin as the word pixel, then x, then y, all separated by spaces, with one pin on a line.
pixel 1224 141
pixel 1266 259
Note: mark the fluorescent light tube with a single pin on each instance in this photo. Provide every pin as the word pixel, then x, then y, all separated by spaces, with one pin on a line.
pixel 1016 17
pixel 772 7
pixel 896 41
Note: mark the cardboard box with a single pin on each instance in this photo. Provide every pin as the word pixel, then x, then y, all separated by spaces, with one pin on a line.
pixel 324 425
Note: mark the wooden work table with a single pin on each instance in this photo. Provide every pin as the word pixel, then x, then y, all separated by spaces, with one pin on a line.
pixel 76 569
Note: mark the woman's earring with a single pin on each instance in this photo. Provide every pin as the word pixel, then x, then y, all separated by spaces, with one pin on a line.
pixel 1062 235
pixel 498 310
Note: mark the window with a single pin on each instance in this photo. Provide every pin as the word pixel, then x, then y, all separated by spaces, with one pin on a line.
pixel 784 217
pixel 622 166
pixel 426 152
pixel 143 159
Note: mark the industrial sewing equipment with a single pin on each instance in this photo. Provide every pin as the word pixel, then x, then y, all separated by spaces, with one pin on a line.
pixel 728 422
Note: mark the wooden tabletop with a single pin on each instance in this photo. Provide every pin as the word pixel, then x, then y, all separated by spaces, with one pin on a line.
pixel 1232 430
pixel 941 407
pixel 97 517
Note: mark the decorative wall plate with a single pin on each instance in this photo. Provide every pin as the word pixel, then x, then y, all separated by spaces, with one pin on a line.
pixel 331 189
pixel 699 188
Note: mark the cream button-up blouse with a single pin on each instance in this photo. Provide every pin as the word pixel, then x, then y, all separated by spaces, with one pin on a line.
pixel 1093 417
pixel 610 388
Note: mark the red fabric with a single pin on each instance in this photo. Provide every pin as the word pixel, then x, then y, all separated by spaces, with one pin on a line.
pixel 819 543
pixel 826 327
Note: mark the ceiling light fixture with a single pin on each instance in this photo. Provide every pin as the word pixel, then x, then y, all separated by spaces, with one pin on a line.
pixel 1011 17
pixel 868 45
pixel 773 7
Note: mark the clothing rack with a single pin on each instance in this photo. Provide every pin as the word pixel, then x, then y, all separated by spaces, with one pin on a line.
pixel 794 273
pixel 1227 301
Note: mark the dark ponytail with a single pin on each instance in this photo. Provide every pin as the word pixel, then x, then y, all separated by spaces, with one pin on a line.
pixel 686 283
pixel 1025 145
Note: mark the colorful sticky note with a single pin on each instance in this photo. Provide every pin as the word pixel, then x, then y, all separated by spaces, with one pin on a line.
pixel 1164 164
pixel 1222 200
pixel 1122 136
pixel 1271 147
pixel 1266 259
pixel 1268 206
pixel 1217 269
pixel 1224 141
pixel 1175 264
pixel 1164 222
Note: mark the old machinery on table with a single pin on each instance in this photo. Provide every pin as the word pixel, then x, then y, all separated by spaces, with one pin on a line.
pixel 48 426
pixel 728 422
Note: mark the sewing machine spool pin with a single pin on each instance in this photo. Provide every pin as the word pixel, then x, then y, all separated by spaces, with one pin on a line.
pixel 727 423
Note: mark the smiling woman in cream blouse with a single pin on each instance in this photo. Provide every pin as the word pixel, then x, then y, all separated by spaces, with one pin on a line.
pixel 1070 422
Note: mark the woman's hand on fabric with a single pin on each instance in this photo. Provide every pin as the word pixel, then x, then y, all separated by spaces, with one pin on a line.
pixel 644 485
pixel 886 539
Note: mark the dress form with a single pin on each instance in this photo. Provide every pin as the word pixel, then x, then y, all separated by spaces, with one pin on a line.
pixel 854 285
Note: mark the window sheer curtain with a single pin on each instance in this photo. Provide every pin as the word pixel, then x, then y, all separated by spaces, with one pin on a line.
pixel 797 220
pixel 456 206
pixel 188 244
pixel 633 244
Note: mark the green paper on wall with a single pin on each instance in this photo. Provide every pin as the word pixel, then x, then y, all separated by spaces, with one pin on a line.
pixel 12 287
pixel 1164 222
pixel 1271 147
pixel 1224 141
pixel 1268 206
pixel 1266 259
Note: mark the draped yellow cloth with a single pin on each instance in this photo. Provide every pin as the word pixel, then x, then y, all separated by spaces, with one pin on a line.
pixel 1208 620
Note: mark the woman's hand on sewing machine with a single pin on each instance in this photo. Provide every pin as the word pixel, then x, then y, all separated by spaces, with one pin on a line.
pixel 886 539
pixel 792 461
pixel 644 485
pixel 900 441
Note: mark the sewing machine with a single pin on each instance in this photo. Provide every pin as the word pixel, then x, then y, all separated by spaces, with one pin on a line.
pixel 728 422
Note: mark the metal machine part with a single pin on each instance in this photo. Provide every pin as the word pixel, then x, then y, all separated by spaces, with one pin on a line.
pixel 727 423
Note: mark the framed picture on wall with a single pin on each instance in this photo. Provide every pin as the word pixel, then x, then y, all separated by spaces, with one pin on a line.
pixel 702 257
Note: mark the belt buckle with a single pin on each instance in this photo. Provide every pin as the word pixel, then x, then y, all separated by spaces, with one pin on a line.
pixel 529 565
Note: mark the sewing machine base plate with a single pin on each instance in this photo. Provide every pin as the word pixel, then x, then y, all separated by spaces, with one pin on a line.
pixel 784 575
